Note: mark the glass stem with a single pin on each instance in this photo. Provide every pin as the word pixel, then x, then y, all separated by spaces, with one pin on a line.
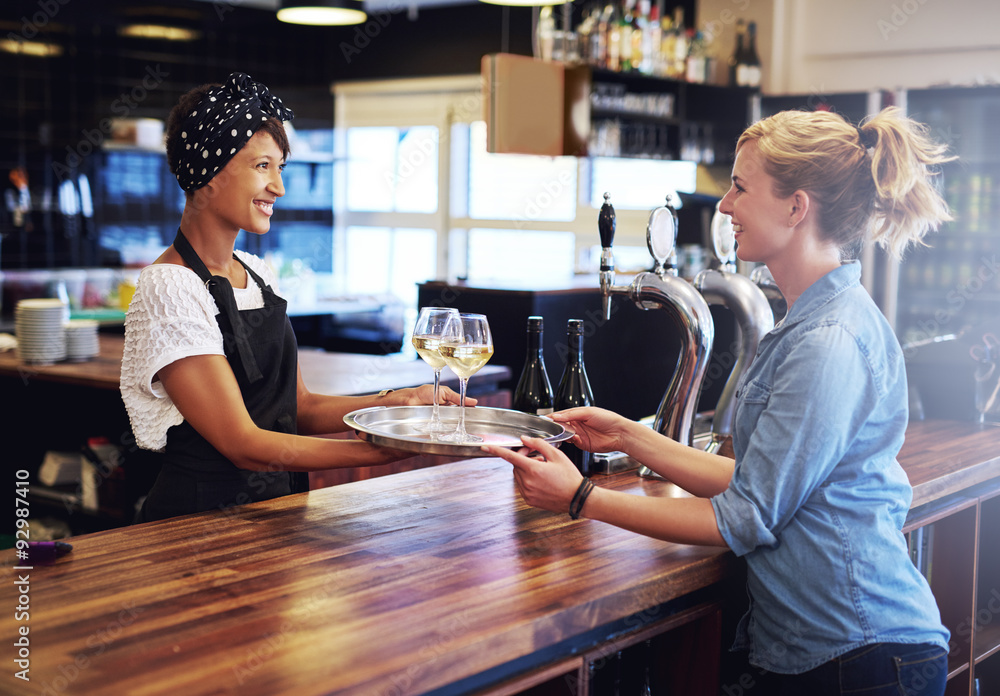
pixel 461 412
pixel 435 416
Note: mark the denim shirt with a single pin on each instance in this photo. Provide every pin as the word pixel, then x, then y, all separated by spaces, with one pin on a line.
pixel 817 499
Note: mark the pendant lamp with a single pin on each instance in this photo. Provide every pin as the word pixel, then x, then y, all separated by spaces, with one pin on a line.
pixel 321 12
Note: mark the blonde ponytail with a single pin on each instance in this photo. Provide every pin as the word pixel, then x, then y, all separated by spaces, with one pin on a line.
pixel 907 203
pixel 874 181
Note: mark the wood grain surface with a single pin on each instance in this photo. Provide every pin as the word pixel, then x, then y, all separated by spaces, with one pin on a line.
pixel 945 457
pixel 397 585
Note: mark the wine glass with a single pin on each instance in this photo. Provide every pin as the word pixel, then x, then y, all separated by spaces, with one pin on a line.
pixel 427 334
pixel 467 346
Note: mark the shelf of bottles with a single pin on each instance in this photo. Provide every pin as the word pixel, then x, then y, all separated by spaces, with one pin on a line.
pixel 954 281
pixel 660 88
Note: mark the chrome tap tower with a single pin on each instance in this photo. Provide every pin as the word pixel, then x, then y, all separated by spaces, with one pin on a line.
pixel 684 305
pixel 687 306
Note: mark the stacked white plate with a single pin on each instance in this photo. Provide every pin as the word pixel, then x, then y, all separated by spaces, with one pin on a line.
pixel 81 339
pixel 41 337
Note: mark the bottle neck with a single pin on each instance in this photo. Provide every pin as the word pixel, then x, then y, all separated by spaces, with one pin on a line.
pixel 534 343
pixel 575 345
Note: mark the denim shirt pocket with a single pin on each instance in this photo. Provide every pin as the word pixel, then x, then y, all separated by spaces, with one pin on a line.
pixel 752 397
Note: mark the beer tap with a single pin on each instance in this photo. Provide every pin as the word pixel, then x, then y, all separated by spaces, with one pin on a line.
pixel 752 311
pixel 686 308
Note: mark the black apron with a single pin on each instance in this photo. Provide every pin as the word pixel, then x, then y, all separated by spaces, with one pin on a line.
pixel 261 348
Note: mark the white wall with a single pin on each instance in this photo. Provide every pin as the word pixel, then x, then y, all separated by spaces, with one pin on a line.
pixel 819 47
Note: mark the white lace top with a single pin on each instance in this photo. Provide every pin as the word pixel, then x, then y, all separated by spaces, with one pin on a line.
pixel 172 316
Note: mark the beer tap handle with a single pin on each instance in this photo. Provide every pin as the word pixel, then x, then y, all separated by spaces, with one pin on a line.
pixel 606 226
pixel 661 238
pixel 606 223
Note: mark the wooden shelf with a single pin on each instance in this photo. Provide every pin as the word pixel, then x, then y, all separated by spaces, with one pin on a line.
pixel 987 642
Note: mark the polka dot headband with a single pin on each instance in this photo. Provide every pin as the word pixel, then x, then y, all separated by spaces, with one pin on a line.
pixel 221 124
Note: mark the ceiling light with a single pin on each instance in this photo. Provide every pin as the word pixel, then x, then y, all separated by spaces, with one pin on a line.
pixel 322 12
pixel 39 49
pixel 158 31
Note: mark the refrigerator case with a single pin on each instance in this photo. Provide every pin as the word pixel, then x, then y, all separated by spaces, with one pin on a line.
pixel 952 286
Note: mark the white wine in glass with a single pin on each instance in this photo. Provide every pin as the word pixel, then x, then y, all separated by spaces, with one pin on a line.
pixel 427 335
pixel 467 346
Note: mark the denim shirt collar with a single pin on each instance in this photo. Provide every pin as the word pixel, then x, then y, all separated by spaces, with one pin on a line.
pixel 822 291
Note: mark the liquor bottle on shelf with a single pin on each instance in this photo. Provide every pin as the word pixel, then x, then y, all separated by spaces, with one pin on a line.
pixel 640 20
pixel 603 37
pixel 625 29
pixel 614 40
pixel 668 39
pixel 678 61
pixel 574 390
pixel 545 34
pixel 697 58
pixel 533 393
pixel 651 36
pixel 737 57
pixel 748 71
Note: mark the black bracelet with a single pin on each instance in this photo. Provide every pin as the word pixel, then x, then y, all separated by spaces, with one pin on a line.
pixel 576 505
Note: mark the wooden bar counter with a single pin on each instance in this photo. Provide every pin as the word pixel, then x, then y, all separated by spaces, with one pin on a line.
pixel 436 581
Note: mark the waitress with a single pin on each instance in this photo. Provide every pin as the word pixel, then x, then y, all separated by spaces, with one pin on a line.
pixel 210 375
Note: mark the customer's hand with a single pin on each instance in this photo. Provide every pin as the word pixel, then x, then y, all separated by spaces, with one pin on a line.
pixel 547 480
pixel 597 429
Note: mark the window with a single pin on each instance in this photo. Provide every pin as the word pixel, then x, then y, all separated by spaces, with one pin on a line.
pixel 648 181
pixel 392 169
pixel 389 261
pixel 417 197
pixel 514 187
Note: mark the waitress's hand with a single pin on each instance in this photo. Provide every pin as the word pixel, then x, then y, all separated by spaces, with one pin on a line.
pixel 597 429
pixel 424 394
pixel 547 480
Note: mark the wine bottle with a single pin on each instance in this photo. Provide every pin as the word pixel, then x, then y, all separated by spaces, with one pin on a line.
pixel 574 390
pixel 533 393
pixel 748 72
pixel 737 57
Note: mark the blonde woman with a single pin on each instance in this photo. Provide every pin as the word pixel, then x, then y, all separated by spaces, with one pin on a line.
pixel 815 499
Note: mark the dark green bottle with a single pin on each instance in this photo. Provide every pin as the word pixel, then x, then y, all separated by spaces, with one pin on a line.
pixel 533 393
pixel 574 390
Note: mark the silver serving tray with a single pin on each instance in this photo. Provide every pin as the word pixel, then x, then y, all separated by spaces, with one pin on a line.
pixel 397 427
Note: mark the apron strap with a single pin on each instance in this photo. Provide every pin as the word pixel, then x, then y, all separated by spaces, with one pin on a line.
pixel 222 293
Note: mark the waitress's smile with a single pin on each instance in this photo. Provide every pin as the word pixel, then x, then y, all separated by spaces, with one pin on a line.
pixel 266 207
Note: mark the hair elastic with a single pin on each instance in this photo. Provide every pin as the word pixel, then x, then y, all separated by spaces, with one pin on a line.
pixel 868 139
